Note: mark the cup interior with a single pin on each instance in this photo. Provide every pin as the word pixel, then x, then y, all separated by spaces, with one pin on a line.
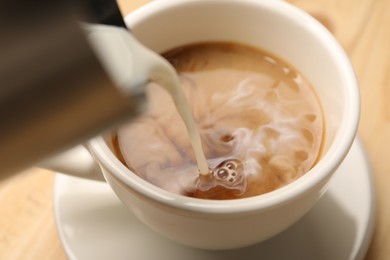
pixel 276 27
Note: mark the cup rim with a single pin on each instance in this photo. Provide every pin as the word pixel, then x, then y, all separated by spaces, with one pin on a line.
pixel 321 171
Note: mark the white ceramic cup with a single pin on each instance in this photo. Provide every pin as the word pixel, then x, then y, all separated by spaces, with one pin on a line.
pixel 274 26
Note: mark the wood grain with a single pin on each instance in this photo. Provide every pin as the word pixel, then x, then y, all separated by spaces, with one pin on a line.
pixel 362 28
pixel 27 227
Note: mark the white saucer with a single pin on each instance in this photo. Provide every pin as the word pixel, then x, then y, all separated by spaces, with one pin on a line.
pixel 93 224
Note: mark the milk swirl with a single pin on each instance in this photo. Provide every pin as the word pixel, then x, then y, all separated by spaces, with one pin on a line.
pixel 249 107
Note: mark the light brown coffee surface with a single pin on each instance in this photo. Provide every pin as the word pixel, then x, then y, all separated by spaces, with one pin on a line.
pixel 253 111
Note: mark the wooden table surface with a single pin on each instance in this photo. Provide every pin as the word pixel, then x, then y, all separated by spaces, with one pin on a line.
pixel 27 228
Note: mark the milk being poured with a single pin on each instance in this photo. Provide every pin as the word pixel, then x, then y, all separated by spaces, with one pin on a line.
pixel 165 76
pixel 132 65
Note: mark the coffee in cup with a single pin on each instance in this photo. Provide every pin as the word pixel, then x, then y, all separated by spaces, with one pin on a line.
pixel 259 119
